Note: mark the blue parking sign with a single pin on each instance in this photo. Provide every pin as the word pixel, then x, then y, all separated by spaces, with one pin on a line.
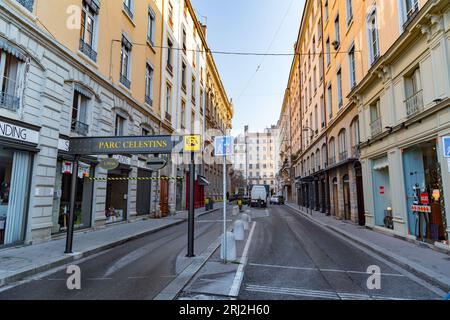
pixel 446 143
pixel 223 146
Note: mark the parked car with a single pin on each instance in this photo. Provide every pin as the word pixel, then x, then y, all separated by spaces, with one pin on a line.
pixel 274 200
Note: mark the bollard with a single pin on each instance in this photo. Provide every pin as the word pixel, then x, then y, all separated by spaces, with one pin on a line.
pixel 239 233
pixel 231 247
pixel 244 220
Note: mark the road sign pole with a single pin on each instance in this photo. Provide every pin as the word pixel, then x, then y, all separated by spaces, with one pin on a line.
pixel 190 252
pixel 224 209
pixel 73 190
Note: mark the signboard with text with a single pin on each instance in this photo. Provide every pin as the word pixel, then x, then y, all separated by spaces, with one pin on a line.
pixel 192 143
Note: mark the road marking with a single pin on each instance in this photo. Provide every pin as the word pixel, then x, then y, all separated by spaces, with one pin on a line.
pixel 234 291
pixel 99 279
pixel 317 293
pixel 209 221
pixel 322 270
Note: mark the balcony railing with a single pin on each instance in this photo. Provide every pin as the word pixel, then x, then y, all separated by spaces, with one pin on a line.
pixel 87 50
pixel 28 4
pixel 80 128
pixel 343 156
pixel 410 15
pixel 355 152
pixel 148 100
pixel 168 116
pixel 375 127
pixel 125 81
pixel 9 102
pixel 414 104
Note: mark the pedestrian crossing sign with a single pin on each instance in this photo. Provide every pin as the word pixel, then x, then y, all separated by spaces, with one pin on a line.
pixel 223 146
pixel 446 143
pixel 192 143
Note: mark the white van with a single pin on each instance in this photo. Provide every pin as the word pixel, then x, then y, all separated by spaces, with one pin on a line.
pixel 259 194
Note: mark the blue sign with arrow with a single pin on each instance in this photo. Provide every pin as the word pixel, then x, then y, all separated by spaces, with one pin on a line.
pixel 223 146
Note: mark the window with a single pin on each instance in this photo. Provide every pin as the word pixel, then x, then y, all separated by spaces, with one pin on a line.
pixel 349 12
pixel 339 87
pixel 408 10
pixel 354 137
pixel 192 122
pixel 316 119
pixel 79 114
pixel 125 65
pixel 120 126
pixel 184 39
pixel 168 102
pixel 183 76
pixel 322 111
pixel 128 7
pixel 88 30
pixel 332 152
pixel 375 118
pixel 194 58
pixel 170 13
pixel 149 84
pixel 315 79
pixel 151 26
pixel 28 4
pixel 201 101
pixel 169 55
pixel 326 13
pixel 342 145
pixel 413 93
pixel 374 47
pixel 352 66
pixel 328 51
pixel 330 101
pixel 337 33
pixel 145 132
pixel 11 70
pixel 183 114
pixel 193 85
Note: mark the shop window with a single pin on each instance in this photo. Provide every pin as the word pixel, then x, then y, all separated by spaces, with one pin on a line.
pixel 10 80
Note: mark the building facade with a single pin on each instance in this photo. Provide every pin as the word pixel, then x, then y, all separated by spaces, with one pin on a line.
pixel 403 103
pixel 99 69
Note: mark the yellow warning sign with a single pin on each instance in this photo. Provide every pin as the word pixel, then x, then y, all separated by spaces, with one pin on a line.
pixel 192 143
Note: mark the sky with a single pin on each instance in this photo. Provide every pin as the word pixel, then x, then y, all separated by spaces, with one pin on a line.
pixel 252 26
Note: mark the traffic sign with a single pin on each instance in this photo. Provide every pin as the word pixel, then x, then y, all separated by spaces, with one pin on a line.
pixel 192 143
pixel 223 146
pixel 446 143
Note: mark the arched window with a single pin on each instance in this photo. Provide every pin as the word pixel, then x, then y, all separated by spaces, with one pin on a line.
pixel 313 163
pixel 354 137
pixel 318 159
pixel 332 152
pixel 324 155
pixel 343 145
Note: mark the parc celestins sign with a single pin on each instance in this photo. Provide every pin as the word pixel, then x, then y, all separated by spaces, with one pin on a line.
pixel 121 145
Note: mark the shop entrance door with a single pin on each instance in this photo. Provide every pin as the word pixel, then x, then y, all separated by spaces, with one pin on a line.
pixel 335 197
pixel 360 194
pixel 116 196
pixel 164 197
pixel 346 190
pixel 144 192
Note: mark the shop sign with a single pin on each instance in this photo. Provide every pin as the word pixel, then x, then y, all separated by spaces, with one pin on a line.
pixel 12 131
pixel 109 163
pixel 419 208
pixel 83 170
pixel 122 159
pixel 446 143
pixel 192 143
pixel 63 145
pixel 424 198
pixel 156 164
pixel 121 145
pixel 382 190
pixel 67 167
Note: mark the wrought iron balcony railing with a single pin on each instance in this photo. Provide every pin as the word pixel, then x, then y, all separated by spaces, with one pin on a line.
pixel 87 50
pixel 414 104
pixel 80 128
pixel 125 81
pixel 9 102
pixel 375 127
pixel 343 156
pixel 28 4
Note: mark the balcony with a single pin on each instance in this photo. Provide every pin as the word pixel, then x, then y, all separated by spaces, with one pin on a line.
pixel 28 4
pixel 193 100
pixel 331 161
pixel 148 100
pixel 88 51
pixel 355 152
pixel 375 127
pixel 410 15
pixel 125 81
pixel 343 156
pixel 9 102
pixel 414 104
pixel 80 128
pixel 170 68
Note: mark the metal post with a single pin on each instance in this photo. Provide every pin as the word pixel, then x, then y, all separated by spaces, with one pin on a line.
pixel 225 209
pixel 190 252
pixel 73 190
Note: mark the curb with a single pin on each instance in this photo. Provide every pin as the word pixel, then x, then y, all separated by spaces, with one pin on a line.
pixel 430 276
pixel 70 258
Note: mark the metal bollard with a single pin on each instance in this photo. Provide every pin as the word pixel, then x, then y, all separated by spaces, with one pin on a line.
pixel 244 220
pixel 239 233
pixel 231 248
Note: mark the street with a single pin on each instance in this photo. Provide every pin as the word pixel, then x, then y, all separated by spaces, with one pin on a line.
pixel 292 258
pixel 289 258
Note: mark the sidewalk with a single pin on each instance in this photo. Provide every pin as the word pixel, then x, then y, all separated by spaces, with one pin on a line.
pixel 20 262
pixel 422 261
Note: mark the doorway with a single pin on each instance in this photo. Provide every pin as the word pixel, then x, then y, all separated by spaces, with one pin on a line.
pixel 360 194
pixel 116 195
pixel 346 190
pixel 335 197
pixel 144 192
pixel 164 197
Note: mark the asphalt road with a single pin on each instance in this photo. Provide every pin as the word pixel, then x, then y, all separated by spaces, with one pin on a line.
pixel 139 269
pixel 290 257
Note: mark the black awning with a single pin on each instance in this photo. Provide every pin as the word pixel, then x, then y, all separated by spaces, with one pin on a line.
pixel 202 181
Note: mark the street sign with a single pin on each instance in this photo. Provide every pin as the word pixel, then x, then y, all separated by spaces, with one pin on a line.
pixel 223 146
pixel 192 143
pixel 446 143
pixel 156 164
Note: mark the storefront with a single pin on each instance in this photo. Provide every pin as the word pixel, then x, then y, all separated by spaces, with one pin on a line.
pixel 144 191
pixel 17 147
pixel 117 194
pixel 83 195
pixel 381 192
pixel 425 196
